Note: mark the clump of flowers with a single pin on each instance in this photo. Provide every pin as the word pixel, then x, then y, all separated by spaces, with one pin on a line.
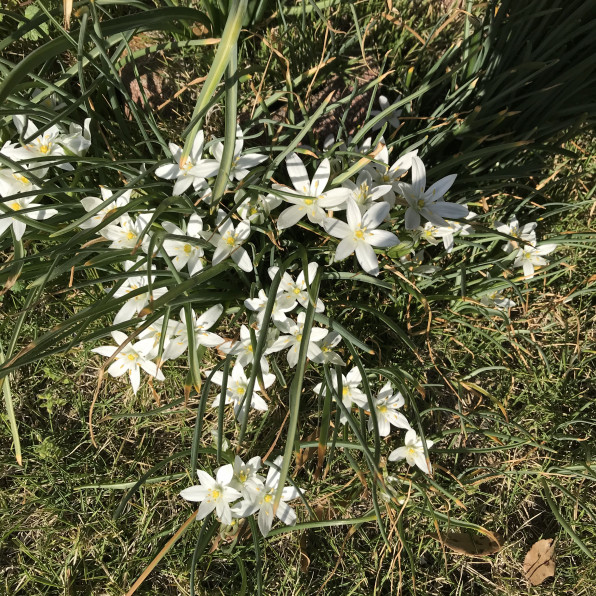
pixel 357 226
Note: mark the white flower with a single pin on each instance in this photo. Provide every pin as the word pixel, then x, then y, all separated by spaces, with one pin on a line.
pixel 41 145
pixel 386 405
pixel 182 252
pixel 131 359
pixel 392 119
pixel 236 391
pixel 293 339
pixel 265 500
pixel 428 203
pixel 327 354
pixel 313 199
pixel 281 306
pixel 179 341
pixel 350 392
pixel 495 299
pixel 125 233
pixel 246 480
pixel 137 303
pixel 78 139
pixel 214 493
pixel 291 290
pixel 241 164
pixel 155 331
pixel 228 242
pixel 243 350
pixel 364 192
pixel 90 203
pixel 413 452
pixel 256 210
pixel 193 171
pixel 530 257
pixel 382 173
pixel 360 234
pixel 16 205
pixel 525 233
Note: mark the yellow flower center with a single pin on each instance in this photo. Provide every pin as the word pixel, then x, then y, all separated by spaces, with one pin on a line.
pixel 132 357
pixel 359 234
pixel 382 409
pixel 344 391
pixel 412 451
pixel 230 240
pixel 15 206
pixel 420 203
pixel 299 337
pixel 215 494
pixel 44 148
pixel 308 201
pixel 249 348
pixel 187 248
pixel 131 235
pixel 240 390
pixel 268 498
pixel 297 291
pixel 21 178
pixel 243 476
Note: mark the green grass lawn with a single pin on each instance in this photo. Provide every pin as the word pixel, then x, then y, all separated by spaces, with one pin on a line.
pixel 508 397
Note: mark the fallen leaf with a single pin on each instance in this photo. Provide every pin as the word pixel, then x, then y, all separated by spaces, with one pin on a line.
pixel 539 563
pixel 466 543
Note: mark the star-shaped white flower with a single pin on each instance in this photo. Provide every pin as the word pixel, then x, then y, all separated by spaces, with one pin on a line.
pixel 291 290
pixel 311 199
pixel 179 341
pixel 386 405
pixel 138 302
pixel 236 391
pixel 428 203
pixel 382 173
pixel 246 479
pixel 241 164
pixel 243 350
pixel 365 191
pixel 17 204
pixel 131 359
pixel 529 257
pixel 126 232
pixel 281 306
pixel 90 203
pixel 182 252
pixel 41 145
pixel 194 170
pixel 327 354
pixel 265 501
pixel 214 494
pixel 413 452
pixel 360 234
pixel 525 234
pixel 350 391
pixel 228 242
pixel 293 340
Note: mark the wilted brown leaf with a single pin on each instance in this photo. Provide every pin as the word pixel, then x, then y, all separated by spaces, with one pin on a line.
pixel 466 543
pixel 539 563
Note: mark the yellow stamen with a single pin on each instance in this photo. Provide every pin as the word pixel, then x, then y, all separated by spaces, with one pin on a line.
pixel 187 248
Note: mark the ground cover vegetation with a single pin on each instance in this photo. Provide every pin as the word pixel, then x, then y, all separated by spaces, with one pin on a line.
pixel 297 297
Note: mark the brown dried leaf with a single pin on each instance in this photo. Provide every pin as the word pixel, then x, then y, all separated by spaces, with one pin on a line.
pixel 465 543
pixel 539 563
